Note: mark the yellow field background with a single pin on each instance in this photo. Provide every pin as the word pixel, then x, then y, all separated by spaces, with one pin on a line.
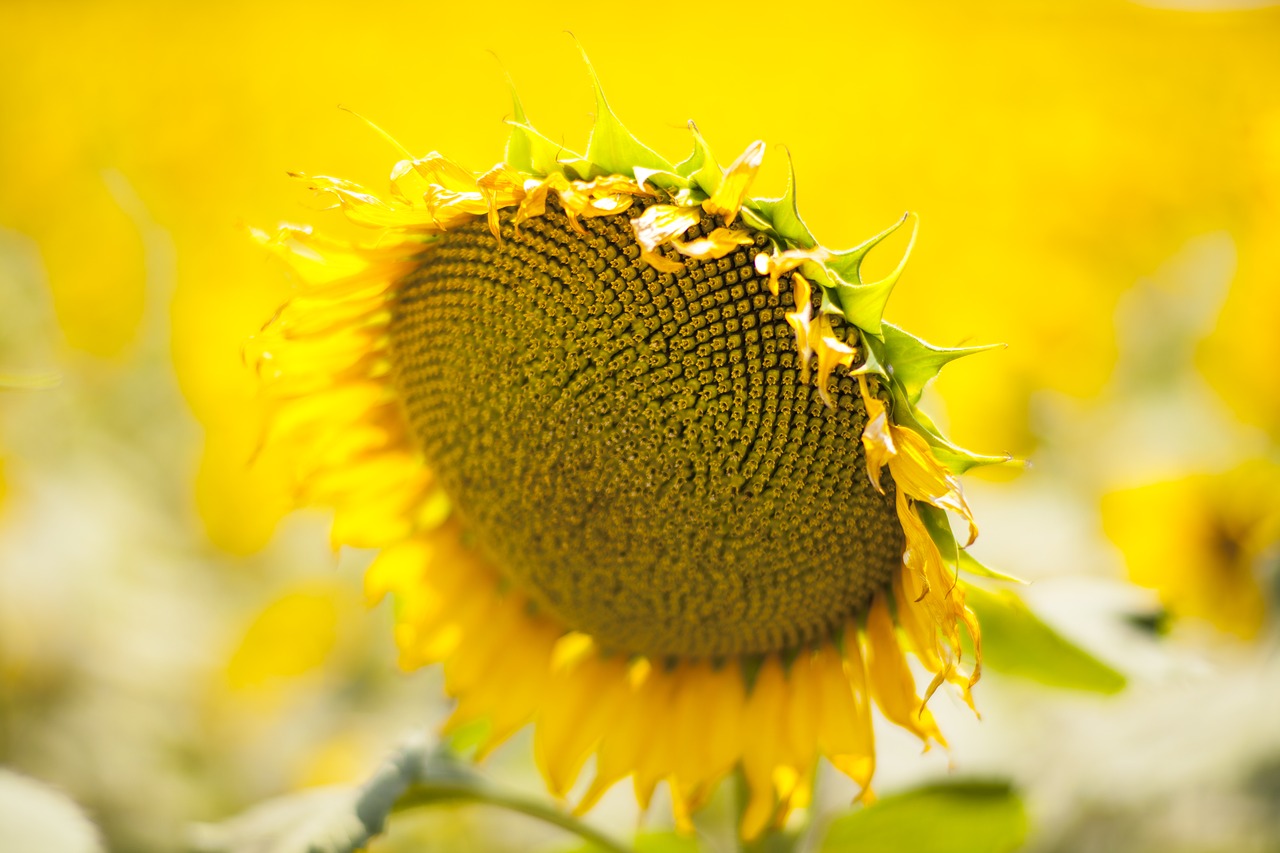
pixel 1099 188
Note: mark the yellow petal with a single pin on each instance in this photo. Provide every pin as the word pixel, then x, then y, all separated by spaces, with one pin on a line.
pixel 763 720
pixel 892 685
pixel 845 733
pixel 877 438
pixel 799 320
pixel 727 199
pixel 832 353
pixel 918 473
pixel 660 223
pixel 779 263
pixel 501 187
pixel 717 244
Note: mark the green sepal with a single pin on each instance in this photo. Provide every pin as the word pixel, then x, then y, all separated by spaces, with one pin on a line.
pixel 530 152
pixel 956 459
pixel 973 816
pixel 916 362
pixel 864 303
pixel 781 213
pixel 700 167
pixel 939 527
pixel 938 524
pixel 1016 642
pixel 612 149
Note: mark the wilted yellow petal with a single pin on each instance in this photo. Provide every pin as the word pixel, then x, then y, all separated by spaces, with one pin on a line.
pixel 501 187
pixel 799 321
pixel 922 477
pixel 717 244
pixel 832 353
pixel 727 199
pixel 779 263
pixel 660 223
pixel 877 438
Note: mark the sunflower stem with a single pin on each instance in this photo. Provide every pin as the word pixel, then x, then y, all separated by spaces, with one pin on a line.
pixel 430 793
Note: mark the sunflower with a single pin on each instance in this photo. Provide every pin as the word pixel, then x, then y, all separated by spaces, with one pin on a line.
pixel 620 431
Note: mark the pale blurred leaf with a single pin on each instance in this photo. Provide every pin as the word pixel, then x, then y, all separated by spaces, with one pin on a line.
pixel 35 817
pixel 343 820
pixel 968 817
pixel 330 820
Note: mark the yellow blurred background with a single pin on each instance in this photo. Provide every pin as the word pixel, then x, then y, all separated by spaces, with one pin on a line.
pixel 1099 187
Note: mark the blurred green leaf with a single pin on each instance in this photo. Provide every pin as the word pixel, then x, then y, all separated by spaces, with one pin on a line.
pixel 964 817
pixel 666 842
pixel 1016 642
pixel 649 842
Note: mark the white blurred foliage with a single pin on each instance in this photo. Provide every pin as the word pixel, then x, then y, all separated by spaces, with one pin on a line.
pixel 35 818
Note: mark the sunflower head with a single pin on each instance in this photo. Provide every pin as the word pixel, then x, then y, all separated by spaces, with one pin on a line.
pixel 641 456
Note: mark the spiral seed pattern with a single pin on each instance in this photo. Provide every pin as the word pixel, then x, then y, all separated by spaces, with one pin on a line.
pixel 635 450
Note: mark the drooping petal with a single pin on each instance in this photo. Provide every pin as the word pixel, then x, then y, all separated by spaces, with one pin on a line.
pixel 717 244
pixel 727 199
pixel 779 263
pixel 660 223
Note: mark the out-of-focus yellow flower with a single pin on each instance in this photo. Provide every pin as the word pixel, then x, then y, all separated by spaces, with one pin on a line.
pixel 571 403
pixel 291 636
pixel 1201 541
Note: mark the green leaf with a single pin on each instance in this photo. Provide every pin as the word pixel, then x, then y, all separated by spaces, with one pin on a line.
pixel 782 214
pixel 915 362
pixel 1016 642
pixel 666 842
pixel 956 817
pixel 649 842
pixel 612 149
pixel 971 564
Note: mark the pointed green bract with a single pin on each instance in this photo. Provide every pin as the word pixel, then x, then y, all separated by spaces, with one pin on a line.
pixel 864 303
pixel 701 167
pixel 955 458
pixel 939 527
pixel 783 215
pixel 530 151
pixel 916 362
pixel 612 149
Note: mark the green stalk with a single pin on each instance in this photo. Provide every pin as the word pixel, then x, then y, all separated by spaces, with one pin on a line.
pixel 430 793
